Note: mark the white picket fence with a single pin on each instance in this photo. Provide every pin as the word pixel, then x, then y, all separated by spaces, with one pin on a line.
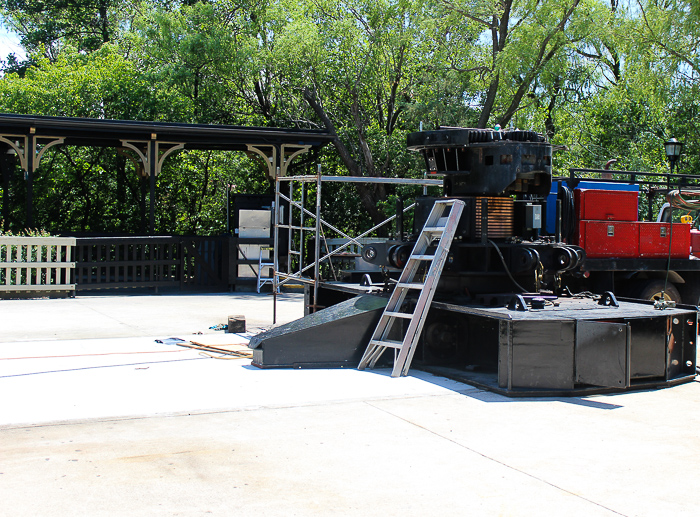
pixel 36 264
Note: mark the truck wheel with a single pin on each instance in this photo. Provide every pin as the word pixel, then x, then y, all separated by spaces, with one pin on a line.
pixel 652 290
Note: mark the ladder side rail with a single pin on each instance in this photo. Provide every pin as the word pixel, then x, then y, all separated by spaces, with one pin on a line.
pixel 372 355
pixel 437 212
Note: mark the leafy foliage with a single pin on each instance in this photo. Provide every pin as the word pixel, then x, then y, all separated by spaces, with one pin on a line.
pixel 46 26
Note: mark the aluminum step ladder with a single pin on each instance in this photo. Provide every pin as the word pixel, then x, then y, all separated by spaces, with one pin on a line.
pixel 262 280
pixel 441 225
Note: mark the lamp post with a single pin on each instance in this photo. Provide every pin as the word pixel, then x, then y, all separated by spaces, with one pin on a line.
pixel 673 151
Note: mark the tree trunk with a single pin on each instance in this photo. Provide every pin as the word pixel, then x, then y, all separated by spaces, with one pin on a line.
pixel 369 196
pixel 104 23
pixel 488 103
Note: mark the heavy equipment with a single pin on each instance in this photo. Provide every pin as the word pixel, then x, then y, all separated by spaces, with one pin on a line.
pixel 502 282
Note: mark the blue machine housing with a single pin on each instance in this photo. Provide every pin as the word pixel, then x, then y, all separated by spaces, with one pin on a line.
pixel 551 205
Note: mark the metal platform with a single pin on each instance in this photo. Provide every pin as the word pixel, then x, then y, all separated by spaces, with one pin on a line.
pixel 569 346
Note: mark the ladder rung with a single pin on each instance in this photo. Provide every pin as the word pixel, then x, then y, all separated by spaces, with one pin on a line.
pixel 389 343
pixel 422 257
pixel 409 285
pixel 433 229
pixel 398 315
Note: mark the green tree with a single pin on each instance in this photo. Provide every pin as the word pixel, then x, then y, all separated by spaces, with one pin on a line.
pixel 606 79
pixel 85 189
pixel 98 190
pixel 195 50
pixel 668 37
pixel 355 64
pixel 103 84
pixel 646 96
pixel 47 26
pixel 522 46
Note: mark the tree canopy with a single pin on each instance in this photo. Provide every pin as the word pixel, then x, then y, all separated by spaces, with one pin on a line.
pixel 608 79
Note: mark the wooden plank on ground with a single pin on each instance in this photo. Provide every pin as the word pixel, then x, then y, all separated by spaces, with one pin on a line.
pixel 229 344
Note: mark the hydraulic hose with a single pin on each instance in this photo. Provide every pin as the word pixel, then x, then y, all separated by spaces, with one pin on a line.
pixel 505 266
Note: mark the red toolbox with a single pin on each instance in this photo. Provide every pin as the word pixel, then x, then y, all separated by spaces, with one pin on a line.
pixel 654 239
pixel 602 239
pixel 606 205
pixel 695 242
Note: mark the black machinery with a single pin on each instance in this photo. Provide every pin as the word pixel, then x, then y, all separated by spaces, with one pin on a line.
pixel 503 178
pixel 503 317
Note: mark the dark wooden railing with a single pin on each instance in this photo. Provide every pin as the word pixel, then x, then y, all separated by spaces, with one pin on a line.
pixel 186 263
pixel 206 263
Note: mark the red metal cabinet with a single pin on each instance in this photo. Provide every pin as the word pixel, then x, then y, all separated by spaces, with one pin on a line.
pixel 695 242
pixel 655 238
pixel 606 205
pixel 602 239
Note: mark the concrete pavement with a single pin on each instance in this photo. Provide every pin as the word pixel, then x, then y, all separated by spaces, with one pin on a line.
pixel 97 418
pixel 99 316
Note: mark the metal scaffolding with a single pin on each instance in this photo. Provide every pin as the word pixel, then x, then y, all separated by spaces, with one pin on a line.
pixel 302 220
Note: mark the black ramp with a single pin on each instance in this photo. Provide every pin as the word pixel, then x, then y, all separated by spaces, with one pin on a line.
pixel 333 337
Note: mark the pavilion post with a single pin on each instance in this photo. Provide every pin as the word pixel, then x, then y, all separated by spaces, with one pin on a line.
pixel 30 152
pixel 152 165
pixel 6 164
